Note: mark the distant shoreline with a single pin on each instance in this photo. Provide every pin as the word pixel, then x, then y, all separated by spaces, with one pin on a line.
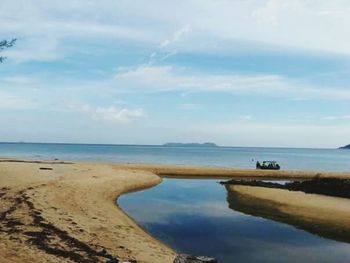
pixel 164 145
pixel 345 147
pixel 190 144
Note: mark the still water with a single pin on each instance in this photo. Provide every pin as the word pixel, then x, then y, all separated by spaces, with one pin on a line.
pixel 243 157
pixel 192 216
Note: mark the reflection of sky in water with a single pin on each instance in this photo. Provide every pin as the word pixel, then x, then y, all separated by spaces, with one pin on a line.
pixel 192 216
pixel 281 182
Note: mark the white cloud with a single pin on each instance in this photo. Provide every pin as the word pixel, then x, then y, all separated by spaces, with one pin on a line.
pixel 19 79
pixel 271 134
pixel 175 37
pixel 46 27
pixel 332 118
pixel 111 113
pixel 12 101
pixel 246 118
pixel 171 78
pixel 35 49
pixel 190 106
pixel 165 49
pixel 119 115
pixel 46 30
pixel 314 25
pixel 52 19
pixel 164 210
pixel 163 78
pixel 268 13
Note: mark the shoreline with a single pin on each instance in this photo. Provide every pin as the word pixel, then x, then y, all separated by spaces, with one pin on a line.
pixel 325 216
pixel 63 203
pixel 69 214
pixel 210 172
pixel 198 171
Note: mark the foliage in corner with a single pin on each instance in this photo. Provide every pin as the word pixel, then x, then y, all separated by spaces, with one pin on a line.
pixel 6 44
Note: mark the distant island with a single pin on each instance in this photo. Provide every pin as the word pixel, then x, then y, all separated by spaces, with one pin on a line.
pixel 345 147
pixel 192 144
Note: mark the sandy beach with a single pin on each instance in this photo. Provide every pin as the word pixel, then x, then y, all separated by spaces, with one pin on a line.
pixel 196 172
pixel 66 212
pixel 322 215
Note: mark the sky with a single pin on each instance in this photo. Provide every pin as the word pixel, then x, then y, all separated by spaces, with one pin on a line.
pixel 271 73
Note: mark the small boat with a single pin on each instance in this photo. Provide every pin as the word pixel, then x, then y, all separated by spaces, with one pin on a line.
pixel 268 165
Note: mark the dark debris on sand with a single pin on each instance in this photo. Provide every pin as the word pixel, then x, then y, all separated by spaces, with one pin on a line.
pixel 44 235
pixel 183 258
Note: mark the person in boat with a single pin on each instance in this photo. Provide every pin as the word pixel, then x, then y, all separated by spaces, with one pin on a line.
pixel 270 165
pixel 258 165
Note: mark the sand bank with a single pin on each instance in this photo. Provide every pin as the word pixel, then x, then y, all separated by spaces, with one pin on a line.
pixel 325 216
pixel 68 214
pixel 169 171
pixel 65 212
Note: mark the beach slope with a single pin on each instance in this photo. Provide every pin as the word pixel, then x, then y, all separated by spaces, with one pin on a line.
pixel 66 213
pixel 322 215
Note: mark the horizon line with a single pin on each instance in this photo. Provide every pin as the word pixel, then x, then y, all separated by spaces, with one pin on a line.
pixel 163 145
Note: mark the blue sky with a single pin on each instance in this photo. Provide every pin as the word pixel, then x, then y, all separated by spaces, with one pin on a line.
pixel 238 73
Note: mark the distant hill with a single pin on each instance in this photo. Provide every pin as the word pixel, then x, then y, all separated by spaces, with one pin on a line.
pixel 345 147
pixel 192 144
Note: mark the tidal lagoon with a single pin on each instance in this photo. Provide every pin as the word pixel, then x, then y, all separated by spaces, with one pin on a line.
pixel 197 217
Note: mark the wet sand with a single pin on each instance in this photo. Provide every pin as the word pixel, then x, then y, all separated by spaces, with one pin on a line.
pixel 322 215
pixel 66 212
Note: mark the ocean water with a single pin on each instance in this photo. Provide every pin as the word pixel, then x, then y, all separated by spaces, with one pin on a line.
pixel 243 157
pixel 193 216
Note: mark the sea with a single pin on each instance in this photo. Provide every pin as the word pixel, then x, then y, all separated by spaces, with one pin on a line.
pixel 240 157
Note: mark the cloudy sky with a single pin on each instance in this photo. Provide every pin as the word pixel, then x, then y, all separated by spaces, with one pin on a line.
pixel 235 72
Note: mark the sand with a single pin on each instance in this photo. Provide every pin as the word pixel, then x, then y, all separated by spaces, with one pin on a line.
pixel 66 212
pixel 325 216
pixel 195 172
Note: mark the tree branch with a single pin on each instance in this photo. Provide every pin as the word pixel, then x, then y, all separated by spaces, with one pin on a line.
pixel 6 44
